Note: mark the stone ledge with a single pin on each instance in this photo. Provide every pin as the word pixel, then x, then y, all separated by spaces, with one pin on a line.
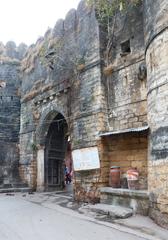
pixel 138 200
pixel 125 192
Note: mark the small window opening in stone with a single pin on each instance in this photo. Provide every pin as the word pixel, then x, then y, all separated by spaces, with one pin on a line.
pixel 125 48
pixel 11 98
pixel 1 97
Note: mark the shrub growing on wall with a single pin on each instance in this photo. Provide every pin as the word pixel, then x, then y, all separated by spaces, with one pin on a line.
pixel 106 12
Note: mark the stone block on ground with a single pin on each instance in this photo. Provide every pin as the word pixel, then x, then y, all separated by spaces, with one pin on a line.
pixel 108 210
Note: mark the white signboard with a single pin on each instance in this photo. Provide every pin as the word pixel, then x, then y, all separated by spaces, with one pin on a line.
pixel 86 159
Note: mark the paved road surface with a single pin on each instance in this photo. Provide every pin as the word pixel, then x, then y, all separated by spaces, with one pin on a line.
pixel 25 219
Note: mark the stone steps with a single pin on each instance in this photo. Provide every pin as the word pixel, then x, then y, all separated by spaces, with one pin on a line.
pixel 13 190
pixel 111 211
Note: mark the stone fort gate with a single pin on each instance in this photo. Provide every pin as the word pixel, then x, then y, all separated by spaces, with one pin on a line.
pixel 52 140
pixel 117 109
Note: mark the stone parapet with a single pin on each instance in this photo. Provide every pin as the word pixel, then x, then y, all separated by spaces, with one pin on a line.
pixel 135 199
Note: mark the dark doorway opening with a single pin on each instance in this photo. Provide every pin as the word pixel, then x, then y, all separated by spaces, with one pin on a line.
pixel 55 151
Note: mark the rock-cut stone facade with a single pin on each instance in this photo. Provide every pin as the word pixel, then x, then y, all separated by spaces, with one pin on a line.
pixel 60 89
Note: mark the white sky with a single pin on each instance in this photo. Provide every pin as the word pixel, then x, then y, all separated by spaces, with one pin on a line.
pixel 26 20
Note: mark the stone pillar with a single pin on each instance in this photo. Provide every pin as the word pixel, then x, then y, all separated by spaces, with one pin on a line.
pixel 156 38
pixel 40 169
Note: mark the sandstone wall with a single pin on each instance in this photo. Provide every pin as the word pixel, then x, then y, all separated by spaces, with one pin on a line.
pixel 156 37
pixel 125 87
pixel 69 83
pixel 130 151
pixel 9 121
pixel 126 96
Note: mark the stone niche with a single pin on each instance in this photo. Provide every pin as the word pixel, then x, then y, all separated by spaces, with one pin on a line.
pixel 126 150
pixel 129 150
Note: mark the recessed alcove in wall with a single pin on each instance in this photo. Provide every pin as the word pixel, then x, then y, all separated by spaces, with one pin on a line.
pixel 129 150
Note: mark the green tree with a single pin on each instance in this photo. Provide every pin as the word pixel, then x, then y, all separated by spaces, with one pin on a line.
pixel 106 12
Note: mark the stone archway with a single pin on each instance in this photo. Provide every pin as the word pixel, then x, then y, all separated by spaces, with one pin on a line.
pixel 55 149
pixel 52 145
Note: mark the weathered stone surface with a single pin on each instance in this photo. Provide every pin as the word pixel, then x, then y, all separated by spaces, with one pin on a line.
pixel 109 210
pixel 11 52
pixel 9 123
pixel 127 151
pixel 138 201
pixel 156 37
pixel 58 29
pixel 64 73
pixel 126 93
pixel 155 18
pixel 77 96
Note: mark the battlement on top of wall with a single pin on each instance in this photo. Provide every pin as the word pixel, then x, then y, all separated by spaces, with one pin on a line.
pixel 63 30
pixel 12 53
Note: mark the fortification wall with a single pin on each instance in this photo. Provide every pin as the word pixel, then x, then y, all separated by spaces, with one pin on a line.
pixel 62 73
pixel 125 86
pixel 126 96
pixel 156 37
pixel 9 115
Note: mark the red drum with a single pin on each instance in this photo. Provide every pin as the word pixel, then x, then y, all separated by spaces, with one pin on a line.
pixel 114 178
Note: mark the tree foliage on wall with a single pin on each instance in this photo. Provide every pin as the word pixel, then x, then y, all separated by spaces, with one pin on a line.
pixel 107 8
pixel 106 13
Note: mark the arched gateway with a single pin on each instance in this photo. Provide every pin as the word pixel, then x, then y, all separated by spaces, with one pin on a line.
pixel 53 140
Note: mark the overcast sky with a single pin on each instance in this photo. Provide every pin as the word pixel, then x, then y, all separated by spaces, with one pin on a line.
pixel 26 20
